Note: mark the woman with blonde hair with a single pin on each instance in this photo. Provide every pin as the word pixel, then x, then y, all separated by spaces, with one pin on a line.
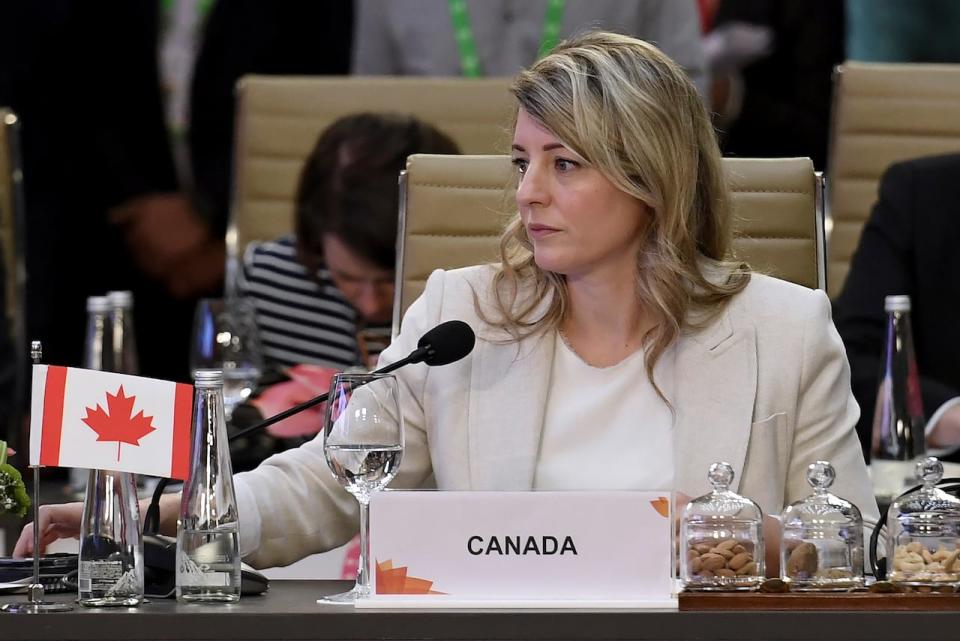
pixel 618 345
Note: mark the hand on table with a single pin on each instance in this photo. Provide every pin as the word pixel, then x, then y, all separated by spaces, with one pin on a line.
pixel 946 433
pixel 56 522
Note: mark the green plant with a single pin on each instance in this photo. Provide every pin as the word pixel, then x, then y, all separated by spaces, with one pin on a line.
pixel 13 493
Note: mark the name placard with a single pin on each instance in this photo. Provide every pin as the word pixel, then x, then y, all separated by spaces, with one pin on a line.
pixel 521 549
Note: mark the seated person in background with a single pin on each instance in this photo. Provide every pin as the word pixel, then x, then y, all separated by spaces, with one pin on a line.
pixel 614 300
pixel 314 289
pixel 909 246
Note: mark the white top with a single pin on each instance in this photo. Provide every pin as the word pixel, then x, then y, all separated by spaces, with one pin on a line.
pixel 605 428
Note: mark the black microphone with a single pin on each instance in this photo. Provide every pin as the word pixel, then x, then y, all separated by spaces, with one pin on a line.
pixel 446 343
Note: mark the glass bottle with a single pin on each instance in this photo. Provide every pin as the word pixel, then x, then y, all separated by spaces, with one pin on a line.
pixel 97 346
pixel 111 546
pixel 208 550
pixel 721 538
pixel 898 422
pixel 98 355
pixel 923 533
pixel 125 359
pixel 822 543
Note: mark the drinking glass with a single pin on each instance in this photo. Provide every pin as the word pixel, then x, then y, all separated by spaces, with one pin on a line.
pixel 225 337
pixel 363 444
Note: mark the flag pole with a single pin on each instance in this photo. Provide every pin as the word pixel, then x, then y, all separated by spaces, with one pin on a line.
pixel 35 591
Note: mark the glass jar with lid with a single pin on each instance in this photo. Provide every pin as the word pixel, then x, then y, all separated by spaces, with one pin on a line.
pixel 923 533
pixel 822 543
pixel 721 538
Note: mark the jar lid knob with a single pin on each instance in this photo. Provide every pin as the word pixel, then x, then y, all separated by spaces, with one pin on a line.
pixel 930 471
pixel 821 475
pixel 720 475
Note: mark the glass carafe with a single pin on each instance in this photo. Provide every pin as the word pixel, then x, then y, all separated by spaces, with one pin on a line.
pixel 111 548
pixel 208 547
pixel 898 440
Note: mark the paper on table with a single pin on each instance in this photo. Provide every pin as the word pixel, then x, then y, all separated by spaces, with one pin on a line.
pixel 15 586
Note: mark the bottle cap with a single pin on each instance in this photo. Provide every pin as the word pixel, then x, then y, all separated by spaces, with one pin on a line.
pixel 899 303
pixel 122 299
pixel 100 304
pixel 208 378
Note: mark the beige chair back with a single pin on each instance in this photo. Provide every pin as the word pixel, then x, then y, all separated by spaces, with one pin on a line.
pixel 453 209
pixel 11 222
pixel 882 114
pixel 280 117
pixel 13 244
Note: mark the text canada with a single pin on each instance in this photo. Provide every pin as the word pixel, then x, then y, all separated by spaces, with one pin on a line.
pixel 521 545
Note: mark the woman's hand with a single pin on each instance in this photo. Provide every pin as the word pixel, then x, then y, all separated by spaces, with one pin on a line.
pixel 56 522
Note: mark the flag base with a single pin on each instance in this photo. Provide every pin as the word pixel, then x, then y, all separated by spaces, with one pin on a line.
pixel 38 607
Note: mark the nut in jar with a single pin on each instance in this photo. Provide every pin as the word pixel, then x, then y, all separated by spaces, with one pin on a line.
pixel 726 559
pixel 915 563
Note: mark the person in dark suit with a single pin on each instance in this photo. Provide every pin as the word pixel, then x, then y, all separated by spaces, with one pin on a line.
pixel 106 209
pixel 909 246
pixel 771 64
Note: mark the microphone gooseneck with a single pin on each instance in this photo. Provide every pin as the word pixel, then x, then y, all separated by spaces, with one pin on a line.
pixel 446 343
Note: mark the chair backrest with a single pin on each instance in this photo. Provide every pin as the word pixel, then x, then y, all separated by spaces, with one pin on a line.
pixel 280 117
pixel 13 244
pixel 453 208
pixel 11 223
pixel 882 114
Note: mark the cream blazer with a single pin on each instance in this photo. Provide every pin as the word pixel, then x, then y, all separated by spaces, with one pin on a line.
pixel 765 387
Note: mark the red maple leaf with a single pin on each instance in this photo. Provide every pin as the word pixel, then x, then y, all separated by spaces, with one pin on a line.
pixel 119 424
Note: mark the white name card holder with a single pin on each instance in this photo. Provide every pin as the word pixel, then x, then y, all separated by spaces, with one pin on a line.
pixel 435 549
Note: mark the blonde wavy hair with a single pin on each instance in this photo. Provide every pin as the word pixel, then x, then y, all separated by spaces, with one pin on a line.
pixel 632 113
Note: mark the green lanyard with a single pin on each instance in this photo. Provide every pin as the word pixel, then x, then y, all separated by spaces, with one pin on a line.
pixel 203 7
pixel 467 45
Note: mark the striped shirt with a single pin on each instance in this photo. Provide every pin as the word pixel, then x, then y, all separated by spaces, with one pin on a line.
pixel 300 319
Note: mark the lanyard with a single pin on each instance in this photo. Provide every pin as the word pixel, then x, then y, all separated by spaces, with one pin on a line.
pixel 203 7
pixel 467 44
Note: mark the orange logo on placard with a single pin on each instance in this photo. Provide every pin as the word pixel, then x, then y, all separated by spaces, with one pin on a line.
pixel 662 506
pixel 394 580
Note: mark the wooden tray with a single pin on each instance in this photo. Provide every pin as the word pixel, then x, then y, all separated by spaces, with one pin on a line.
pixel 935 602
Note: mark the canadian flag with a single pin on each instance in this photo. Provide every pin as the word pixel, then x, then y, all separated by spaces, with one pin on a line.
pixel 102 420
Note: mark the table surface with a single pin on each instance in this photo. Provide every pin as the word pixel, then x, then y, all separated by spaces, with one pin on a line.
pixel 289 611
